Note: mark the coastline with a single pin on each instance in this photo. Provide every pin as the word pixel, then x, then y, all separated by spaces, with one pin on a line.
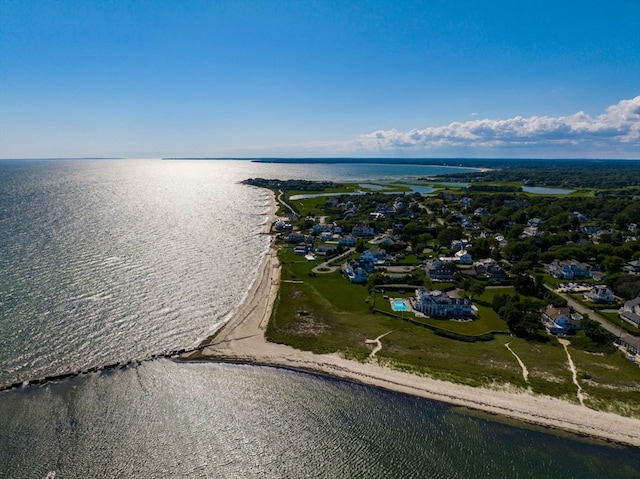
pixel 242 340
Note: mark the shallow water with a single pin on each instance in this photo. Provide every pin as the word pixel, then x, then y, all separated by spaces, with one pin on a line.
pixel 164 419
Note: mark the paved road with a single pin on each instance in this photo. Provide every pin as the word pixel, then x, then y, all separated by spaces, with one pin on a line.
pixel 327 264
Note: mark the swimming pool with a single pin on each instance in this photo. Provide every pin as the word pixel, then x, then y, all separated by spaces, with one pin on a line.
pixel 399 305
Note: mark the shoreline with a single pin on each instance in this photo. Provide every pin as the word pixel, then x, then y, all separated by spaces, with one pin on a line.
pixel 242 340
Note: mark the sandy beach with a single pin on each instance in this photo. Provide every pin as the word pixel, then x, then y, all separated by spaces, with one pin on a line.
pixel 242 340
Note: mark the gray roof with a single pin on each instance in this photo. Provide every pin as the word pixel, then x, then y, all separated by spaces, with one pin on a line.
pixel 632 302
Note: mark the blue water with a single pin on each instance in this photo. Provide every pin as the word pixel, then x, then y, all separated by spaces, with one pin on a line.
pixel 399 305
pixel 163 419
pixel 423 190
pixel 107 261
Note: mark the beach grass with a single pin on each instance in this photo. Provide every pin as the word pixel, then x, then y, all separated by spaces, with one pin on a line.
pixel 609 381
pixel 548 368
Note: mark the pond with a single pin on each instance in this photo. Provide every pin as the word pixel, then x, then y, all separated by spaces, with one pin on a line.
pixel 539 190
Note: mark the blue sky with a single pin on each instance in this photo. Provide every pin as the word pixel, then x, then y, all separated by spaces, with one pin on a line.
pixel 239 78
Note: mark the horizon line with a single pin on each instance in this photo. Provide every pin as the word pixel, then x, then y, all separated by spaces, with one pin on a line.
pixel 316 159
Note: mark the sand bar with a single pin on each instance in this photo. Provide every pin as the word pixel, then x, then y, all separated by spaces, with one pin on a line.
pixel 242 340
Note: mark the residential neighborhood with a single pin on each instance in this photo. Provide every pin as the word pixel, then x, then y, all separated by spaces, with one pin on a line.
pixel 444 249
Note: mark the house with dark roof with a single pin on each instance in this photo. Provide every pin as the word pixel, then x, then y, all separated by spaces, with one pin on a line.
pixel 348 240
pixel 324 249
pixel 491 269
pixel 295 237
pixel 571 269
pixel 630 312
pixel 632 267
pixel 439 271
pixel 362 230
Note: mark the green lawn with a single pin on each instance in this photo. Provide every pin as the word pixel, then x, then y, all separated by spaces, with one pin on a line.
pixel 310 206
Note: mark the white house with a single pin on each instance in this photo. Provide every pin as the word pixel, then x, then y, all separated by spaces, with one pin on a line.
pixel 355 272
pixel 560 321
pixel 438 304
pixel 457 245
pixel 600 294
pixel 301 249
pixel 283 226
pixel 463 257
pixel 374 255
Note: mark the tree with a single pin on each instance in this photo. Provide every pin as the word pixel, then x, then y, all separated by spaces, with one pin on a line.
pixel 596 333
pixel 446 236
pixel 625 286
pixel 481 247
pixel 612 264
pixel 528 326
pixel 519 217
pixel 499 300
pixel 515 250
pixel 524 284
pixel 531 256
pixel 521 267
pixel 477 288
pixel 522 317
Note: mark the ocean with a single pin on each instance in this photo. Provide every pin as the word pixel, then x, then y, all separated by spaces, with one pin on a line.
pixel 114 261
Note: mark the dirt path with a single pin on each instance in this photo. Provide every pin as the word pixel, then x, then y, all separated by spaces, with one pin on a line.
pixel 573 369
pixel 378 344
pixel 525 371
pixel 286 205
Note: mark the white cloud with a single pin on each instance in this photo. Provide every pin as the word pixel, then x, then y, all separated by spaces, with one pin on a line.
pixel 617 130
